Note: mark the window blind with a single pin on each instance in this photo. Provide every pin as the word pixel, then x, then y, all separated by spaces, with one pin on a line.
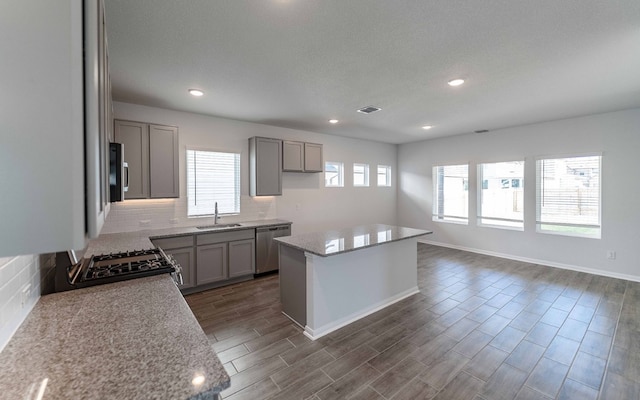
pixel 568 196
pixel 212 177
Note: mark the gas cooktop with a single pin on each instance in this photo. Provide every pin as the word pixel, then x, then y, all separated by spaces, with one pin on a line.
pixel 108 268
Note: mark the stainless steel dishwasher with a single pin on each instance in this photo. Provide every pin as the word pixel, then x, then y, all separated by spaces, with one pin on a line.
pixel 267 248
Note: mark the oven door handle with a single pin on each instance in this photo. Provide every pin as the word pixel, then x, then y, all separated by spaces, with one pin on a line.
pixel 177 275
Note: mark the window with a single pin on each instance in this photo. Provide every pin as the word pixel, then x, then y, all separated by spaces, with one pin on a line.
pixel 360 174
pixel 502 196
pixel 451 193
pixel 212 177
pixel 568 196
pixel 333 174
pixel 384 175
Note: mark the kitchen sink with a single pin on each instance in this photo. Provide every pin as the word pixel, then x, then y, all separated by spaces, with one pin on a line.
pixel 218 226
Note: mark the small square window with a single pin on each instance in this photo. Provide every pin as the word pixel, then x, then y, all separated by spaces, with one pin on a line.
pixel 361 175
pixel 333 174
pixel 384 175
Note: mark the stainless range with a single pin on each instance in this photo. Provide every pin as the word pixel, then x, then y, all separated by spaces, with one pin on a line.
pixel 109 268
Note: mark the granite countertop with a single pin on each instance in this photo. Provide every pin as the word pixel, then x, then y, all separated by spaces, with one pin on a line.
pixel 82 345
pixel 332 242
pixel 138 240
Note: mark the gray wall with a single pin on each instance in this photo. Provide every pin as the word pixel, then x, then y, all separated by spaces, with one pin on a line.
pixel 614 134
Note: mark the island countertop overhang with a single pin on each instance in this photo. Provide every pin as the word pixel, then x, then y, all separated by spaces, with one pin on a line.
pixel 338 241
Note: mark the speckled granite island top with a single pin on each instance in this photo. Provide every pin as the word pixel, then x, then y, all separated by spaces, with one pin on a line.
pixel 334 242
pixel 87 344
pixel 138 240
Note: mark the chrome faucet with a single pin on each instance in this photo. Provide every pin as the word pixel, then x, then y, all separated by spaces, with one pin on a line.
pixel 216 217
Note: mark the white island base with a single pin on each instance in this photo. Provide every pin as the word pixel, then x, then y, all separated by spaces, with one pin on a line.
pixel 323 294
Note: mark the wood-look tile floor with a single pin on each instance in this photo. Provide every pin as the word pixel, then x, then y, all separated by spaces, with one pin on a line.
pixel 481 328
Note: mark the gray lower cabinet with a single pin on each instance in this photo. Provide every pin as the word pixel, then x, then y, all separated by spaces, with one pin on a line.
pixel 185 257
pixel 210 259
pixel 242 257
pixel 224 255
pixel 182 250
pixel 212 263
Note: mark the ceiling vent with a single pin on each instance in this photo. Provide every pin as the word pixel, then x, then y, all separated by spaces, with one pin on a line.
pixel 369 109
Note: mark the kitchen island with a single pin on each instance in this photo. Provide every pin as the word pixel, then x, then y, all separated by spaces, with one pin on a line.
pixel 330 279
pixel 90 344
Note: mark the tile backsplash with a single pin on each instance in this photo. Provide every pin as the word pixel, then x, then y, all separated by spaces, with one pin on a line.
pixel 16 273
pixel 135 215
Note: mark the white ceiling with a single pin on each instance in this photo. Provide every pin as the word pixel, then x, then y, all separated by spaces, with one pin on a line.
pixel 298 63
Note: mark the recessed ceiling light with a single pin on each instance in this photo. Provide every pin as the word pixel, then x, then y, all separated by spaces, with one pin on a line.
pixel 196 92
pixel 333 121
pixel 427 127
pixel 456 82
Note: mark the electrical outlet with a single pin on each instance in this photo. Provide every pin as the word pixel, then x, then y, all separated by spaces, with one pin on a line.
pixel 145 223
pixel 173 221
pixel 24 295
pixel 611 255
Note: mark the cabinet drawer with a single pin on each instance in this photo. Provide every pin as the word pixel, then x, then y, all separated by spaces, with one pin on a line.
pixel 218 237
pixel 173 242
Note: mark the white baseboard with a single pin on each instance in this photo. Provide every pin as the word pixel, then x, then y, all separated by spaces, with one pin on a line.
pixel 314 334
pixel 627 277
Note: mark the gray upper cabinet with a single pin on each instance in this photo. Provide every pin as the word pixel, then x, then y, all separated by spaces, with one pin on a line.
pixel 313 157
pixel 53 175
pixel 292 156
pixel 163 161
pixel 301 157
pixel 152 154
pixel 265 166
pixel 135 138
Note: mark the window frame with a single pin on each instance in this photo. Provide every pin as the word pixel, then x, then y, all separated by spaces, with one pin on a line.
pixel 365 173
pixel 340 173
pixel 480 188
pixel 237 181
pixel 452 219
pixel 540 189
pixel 387 175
